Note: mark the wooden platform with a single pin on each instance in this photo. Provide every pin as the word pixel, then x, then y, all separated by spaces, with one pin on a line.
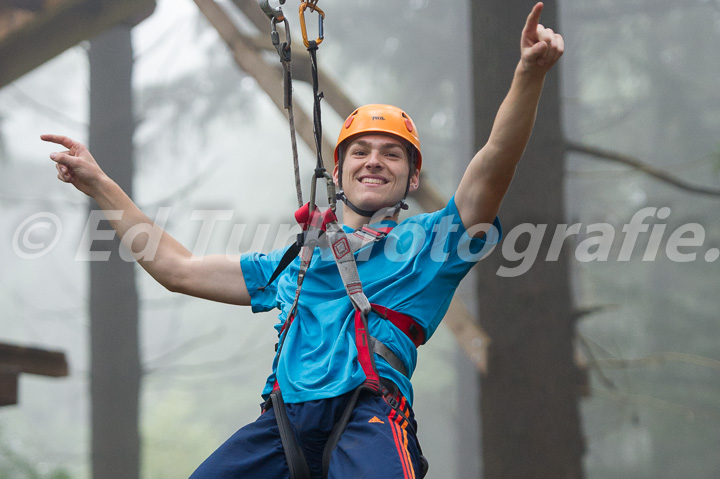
pixel 34 31
pixel 15 360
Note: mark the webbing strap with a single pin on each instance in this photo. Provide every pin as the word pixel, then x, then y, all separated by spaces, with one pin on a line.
pixel 384 352
pixel 366 345
pixel 284 331
pixel 313 224
pixel 405 323
pixel 338 430
pixel 365 356
pixel 297 464
pixel 399 405
pixel 305 258
pixel 317 96
pixel 287 258
pixel 345 260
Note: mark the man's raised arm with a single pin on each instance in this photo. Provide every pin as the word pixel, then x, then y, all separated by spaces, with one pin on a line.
pixel 491 170
pixel 215 277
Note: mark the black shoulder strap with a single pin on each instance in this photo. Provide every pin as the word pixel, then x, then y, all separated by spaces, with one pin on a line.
pixel 290 254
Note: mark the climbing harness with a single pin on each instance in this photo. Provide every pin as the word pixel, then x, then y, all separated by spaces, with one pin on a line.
pixel 343 247
pixel 321 229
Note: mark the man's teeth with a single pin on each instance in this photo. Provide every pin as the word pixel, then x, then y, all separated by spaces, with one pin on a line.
pixel 373 181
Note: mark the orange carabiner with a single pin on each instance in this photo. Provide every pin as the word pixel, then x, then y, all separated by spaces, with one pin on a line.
pixel 312 5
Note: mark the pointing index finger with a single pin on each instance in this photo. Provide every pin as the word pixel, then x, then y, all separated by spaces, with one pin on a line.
pixel 59 139
pixel 533 19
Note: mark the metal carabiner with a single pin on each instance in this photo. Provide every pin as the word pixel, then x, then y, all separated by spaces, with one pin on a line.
pixel 274 14
pixel 284 48
pixel 312 5
pixel 320 174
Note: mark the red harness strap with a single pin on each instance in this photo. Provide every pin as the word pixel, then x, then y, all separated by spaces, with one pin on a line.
pixel 403 322
pixel 283 330
pixel 365 356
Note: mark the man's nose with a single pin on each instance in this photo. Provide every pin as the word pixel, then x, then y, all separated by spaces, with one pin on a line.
pixel 374 160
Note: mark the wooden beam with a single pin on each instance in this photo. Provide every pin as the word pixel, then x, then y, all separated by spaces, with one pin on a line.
pixel 33 360
pixel 252 11
pixel 333 94
pixel 54 30
pixel 251 61
pixel 13 16
pixel 8 385
pixel 30 5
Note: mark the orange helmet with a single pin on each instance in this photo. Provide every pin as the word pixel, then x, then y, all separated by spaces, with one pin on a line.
pixel 386 119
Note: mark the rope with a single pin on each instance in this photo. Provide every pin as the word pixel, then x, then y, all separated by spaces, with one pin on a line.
pixel 284 52
pixel 293 140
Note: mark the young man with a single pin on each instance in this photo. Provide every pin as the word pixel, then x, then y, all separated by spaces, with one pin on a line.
pixel 413 271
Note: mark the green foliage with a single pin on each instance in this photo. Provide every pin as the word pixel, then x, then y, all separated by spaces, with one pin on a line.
pixel 15 463
pixel 176 436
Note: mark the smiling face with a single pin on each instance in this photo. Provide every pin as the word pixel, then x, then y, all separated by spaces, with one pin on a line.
pixel 375 171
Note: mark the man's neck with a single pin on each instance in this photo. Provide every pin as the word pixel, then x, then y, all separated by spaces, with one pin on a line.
pixel 355 220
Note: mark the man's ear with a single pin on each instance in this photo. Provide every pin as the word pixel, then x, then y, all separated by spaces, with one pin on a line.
pixel 414 181
pixel 335 175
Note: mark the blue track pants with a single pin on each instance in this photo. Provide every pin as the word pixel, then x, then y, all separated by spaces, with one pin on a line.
pixel 378 442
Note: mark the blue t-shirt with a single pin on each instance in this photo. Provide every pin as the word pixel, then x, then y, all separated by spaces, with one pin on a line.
pixel 414 270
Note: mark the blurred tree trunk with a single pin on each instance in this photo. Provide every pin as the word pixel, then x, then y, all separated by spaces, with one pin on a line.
pixel 529 399
pixel 115 371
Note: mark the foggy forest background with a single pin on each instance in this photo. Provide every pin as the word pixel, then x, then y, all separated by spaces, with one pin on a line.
pixel 638 78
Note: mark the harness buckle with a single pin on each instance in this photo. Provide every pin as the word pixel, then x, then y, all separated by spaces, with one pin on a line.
pixel 390 399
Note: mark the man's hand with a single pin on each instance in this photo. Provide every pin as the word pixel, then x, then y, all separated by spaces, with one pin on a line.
pixel 540 47
pixel 76 165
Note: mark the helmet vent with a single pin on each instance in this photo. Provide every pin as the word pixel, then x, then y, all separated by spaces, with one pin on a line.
pixel 408 124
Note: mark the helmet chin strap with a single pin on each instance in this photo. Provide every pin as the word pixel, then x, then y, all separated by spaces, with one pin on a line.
pixel 377 215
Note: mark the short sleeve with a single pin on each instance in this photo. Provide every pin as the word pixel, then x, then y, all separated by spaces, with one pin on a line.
pixel 257 268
